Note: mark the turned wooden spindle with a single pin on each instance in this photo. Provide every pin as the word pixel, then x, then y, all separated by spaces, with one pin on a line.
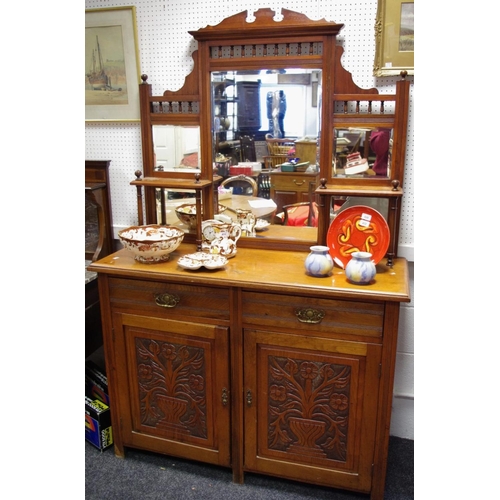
pixel 138 175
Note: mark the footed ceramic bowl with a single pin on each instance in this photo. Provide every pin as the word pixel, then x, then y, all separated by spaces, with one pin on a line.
pixel 153 243
pixel 186 213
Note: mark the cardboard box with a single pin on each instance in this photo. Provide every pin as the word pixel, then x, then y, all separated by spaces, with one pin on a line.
pixel 96 383
pixel 98 430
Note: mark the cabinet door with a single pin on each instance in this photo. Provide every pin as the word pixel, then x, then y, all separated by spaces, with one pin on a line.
pixel 173 381
pixel 282 198
pixel 310 408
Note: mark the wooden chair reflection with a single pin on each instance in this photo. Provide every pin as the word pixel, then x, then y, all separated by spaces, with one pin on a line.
pixel 304 213
pixel 278 151
pixel 242 179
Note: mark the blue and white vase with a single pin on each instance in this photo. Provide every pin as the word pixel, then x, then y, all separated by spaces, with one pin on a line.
pixel 319 262
pixel 360 269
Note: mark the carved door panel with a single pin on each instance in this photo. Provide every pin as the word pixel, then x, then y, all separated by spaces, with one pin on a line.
pixel 176 399
pixel 311 408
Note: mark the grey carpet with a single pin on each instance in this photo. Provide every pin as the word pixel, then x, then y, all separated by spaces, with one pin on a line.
pixel 150 476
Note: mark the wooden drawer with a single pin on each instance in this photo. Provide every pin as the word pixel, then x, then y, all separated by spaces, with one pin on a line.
pixel 307 314
pixel 169 300
pixel 292 182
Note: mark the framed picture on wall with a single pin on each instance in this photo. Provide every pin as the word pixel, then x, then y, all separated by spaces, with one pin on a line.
pixel 394 38
pixel 111 65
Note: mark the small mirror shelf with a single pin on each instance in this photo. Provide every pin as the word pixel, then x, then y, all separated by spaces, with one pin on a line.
pixel 176 149
pixel 362 153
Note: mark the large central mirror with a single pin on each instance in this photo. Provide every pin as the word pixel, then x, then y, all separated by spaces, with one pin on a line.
pixel 265 129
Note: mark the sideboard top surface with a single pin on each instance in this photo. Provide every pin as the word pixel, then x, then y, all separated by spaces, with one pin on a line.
pixel 264 271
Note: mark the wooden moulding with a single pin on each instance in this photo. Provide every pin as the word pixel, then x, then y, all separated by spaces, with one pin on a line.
pixel 236 27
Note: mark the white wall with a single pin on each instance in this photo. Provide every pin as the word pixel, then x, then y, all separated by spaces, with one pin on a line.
pixel 164 53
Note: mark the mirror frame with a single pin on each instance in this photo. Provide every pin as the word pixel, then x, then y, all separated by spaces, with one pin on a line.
pixel 247 41
pixel 172 108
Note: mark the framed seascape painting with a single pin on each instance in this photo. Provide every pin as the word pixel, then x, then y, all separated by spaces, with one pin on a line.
pixel 394 38
pixel 111 65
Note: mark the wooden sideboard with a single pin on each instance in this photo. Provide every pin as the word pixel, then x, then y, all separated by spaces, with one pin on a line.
pixel 255 366
pixel 292 187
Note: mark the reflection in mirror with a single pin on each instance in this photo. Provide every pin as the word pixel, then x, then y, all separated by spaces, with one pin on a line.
pixel 362 152
pixel 181 208
pixel 381 205
pixel 176 148
pixel 265 125
pixel 254 105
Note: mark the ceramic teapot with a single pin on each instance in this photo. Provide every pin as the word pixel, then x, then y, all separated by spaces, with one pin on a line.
pixel 220 237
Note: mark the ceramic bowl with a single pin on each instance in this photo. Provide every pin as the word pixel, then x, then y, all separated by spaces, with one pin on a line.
pixel 153 243
pixel 186 213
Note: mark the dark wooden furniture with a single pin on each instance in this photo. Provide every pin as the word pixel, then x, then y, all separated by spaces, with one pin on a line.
pixel 257 366
pixel 98 216
pixel 98 243
pixel 93 325
pixel 248 107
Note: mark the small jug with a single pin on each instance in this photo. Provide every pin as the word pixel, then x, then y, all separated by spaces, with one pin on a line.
pixel 319 262
pixel 220 237
pixel 246 219
pixel 360 269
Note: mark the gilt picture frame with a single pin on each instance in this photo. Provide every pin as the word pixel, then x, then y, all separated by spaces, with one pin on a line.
pixel 394 38
pixel 112 71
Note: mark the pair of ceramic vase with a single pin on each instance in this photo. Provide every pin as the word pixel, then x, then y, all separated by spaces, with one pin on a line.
pixel 360 269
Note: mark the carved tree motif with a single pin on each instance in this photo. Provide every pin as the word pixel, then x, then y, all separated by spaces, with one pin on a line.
pixel 308 407
pixel 171 380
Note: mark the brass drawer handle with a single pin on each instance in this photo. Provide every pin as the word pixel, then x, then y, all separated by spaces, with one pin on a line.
pixel 166 300
pixel 298 183
pixel 309 315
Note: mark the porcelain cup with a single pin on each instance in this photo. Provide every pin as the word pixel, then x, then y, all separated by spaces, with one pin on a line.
pixel 246 219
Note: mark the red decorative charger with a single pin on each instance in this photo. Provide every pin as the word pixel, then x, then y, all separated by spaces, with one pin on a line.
pixel 358 229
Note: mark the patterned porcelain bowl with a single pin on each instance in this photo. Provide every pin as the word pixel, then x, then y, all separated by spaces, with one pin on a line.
pixel 186 213
pixel 153 243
